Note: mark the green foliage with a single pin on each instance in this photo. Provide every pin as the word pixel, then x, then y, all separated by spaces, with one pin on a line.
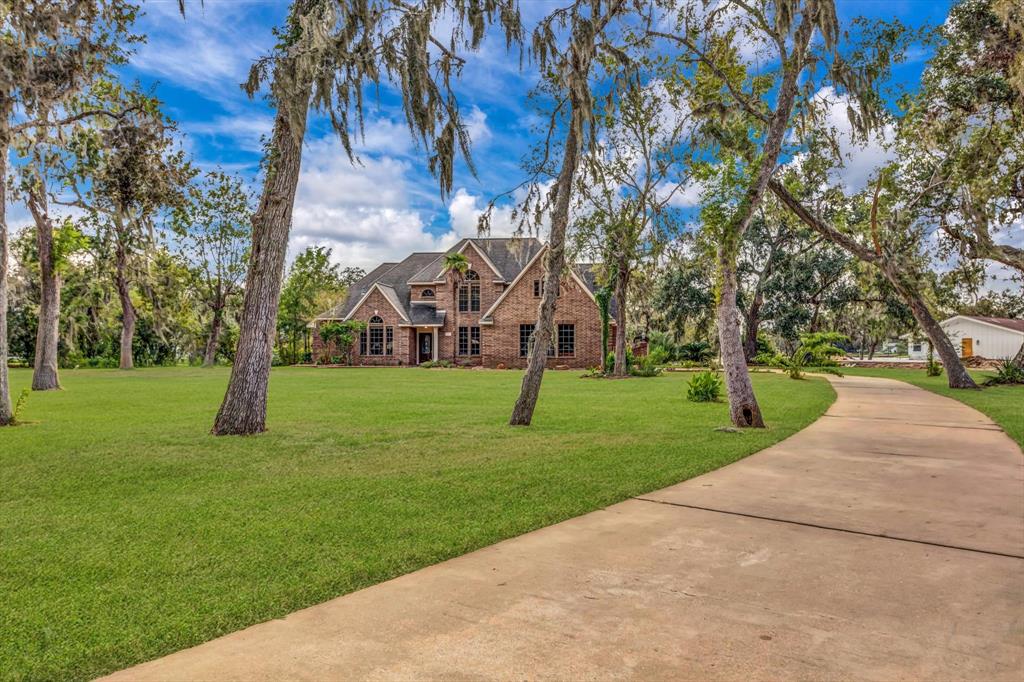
pixel 343 335
pixel 815 350
pixel 609 360
pixel 1007 372
pixel 19 406
pixel 933 368
pixel 704 387
pixel 313 284
pixel 645 366
pixel 437 364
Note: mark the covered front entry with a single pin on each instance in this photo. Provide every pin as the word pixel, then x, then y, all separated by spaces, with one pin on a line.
pixel 425 345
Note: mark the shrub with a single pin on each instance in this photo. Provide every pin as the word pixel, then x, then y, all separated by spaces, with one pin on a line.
pixel 593 373
pixel 645 367
pixel 704 387
pixel 610 360
pixel 695 351
pixel 20 405
pixel 932 368
pixel 431 364
pixel 1007 372
pixel 771 359
pixel 658 356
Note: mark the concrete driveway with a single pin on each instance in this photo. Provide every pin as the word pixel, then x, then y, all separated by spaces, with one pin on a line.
pixel 884 542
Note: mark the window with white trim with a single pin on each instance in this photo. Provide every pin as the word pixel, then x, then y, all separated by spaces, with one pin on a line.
pixel 526 341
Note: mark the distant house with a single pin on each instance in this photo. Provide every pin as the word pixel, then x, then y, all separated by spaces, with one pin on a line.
pixel 994 338
pixel 411 316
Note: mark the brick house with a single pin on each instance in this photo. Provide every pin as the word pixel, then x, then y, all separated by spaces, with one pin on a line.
pixel 412 316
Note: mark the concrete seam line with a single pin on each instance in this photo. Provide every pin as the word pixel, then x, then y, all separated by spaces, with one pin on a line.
pixel 982 427
pixel 832 528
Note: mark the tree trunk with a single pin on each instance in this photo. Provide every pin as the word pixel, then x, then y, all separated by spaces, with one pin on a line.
pixel 743 407
pixel 124 294
pixel 210 355
pixel 621 288
pixel 244 410
pixel 554 259
pixel 6 413
pixel 956 375
pixel 44 374
pixel 752 320
pixel 873 348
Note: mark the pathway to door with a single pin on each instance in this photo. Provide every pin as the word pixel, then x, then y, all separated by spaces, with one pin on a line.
pixel 883 542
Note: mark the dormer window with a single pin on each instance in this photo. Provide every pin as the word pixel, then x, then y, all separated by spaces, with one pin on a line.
pixel 427 293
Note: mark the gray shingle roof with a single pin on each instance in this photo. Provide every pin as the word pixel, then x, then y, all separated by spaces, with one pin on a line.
pixel 423 315
pixel 508 254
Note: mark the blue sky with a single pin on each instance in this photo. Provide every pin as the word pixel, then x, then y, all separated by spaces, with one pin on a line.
pixel 389 205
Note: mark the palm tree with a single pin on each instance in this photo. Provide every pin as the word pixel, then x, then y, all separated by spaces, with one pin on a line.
pixel 456 265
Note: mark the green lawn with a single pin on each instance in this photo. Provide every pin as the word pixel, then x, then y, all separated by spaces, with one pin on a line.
pixel 128 532
pixel 1003 404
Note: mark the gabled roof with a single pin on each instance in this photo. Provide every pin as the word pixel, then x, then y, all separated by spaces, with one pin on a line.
pixel 393 279
pixel 1004 322
pixel 507 256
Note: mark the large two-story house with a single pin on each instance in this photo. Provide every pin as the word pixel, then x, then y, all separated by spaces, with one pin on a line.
pixel 412 315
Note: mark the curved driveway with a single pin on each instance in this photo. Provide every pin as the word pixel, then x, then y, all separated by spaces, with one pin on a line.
pixel 883 542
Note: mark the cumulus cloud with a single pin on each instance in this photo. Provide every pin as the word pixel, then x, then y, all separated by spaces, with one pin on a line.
pixel 364 212
pixel 861 158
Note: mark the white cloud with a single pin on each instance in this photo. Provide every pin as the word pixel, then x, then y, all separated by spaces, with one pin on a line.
pixel 363 211
pixel 860 158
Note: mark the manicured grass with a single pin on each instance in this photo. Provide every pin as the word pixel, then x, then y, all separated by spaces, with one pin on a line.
pixel 1003 404
pixel 127 532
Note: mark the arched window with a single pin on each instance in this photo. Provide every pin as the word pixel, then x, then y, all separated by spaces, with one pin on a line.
pixel 379 337
pixel 469 293
pixel 427 293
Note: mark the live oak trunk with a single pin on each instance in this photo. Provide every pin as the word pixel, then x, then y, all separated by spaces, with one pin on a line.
pixel 244 410
pixel 210 355
pixel 124 295
pixel 956 375
pixel 6 413
pixel 1019 359
pixel 44 373
pixel 743 407
pixel 752 320
pixel 621 286
pixel 554 259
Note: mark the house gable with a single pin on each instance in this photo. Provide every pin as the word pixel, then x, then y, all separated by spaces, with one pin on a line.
pixel 387 294
pixel 487 317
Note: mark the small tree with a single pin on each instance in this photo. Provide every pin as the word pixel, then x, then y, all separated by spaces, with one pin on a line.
pixel 343 335
pixel 455 267
pixel 213 228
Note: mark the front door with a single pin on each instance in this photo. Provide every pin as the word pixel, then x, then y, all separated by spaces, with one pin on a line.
pixel 966 348
pixel 426 346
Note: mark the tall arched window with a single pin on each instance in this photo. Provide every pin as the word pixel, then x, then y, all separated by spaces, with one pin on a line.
pixel 469 293
pixel 375 334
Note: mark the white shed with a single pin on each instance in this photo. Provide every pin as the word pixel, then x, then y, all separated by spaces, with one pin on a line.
pixel 994 338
